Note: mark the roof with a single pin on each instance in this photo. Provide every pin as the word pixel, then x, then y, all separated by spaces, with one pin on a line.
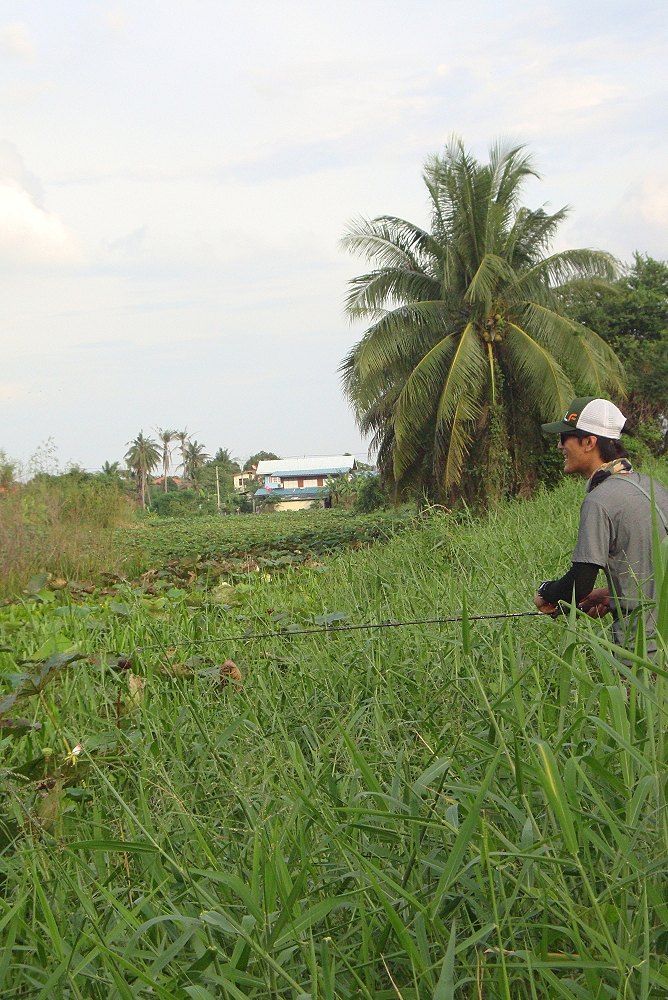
pixel 322 465
pixel 292 494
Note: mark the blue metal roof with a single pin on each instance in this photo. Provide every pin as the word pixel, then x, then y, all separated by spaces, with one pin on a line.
pixel 294 493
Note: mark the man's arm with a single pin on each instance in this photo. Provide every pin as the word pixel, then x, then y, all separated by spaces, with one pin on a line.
pixel 581 577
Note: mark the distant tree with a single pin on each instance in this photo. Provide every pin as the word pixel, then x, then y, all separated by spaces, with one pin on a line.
pixel 7 471
pixel 182 437
pixel 260 456
pixel 142 457
pixel 194 459
pixel 165 437
pixel 632 316
pixel 225 461
pixel 111 469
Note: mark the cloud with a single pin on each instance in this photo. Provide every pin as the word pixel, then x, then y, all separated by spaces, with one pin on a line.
pixel 29 234
pixel 16 41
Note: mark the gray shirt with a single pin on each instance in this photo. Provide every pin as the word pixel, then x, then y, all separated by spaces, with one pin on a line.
pixel 616 533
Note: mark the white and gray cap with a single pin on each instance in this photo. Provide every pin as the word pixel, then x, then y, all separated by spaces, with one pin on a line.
pixel 592 415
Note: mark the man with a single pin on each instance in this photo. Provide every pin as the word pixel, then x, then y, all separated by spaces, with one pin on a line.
pixel 616 522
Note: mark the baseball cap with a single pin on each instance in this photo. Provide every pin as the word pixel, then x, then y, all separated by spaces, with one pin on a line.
pixel 595 416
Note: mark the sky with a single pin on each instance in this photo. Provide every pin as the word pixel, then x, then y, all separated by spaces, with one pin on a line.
pixel 175 179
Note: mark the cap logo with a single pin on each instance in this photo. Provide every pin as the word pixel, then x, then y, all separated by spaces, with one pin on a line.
pixel 571 418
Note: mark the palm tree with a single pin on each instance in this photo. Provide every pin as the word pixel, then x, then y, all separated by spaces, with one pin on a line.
pixel 165 437
pixel 467 347
pixel 182 438
pixel 111 469
pixel 226 461
pixel 142 456
pixel 193 460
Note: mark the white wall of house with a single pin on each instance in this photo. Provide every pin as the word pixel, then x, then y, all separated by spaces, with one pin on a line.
pixel 297 504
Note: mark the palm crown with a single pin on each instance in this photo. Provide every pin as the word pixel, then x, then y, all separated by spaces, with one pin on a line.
pixel 465 319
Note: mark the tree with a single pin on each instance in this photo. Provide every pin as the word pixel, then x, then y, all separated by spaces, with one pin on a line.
pixel 142 457
pixel 111 469
pixel 260 456
pixel 182 438
pixel 7 471
pixel 225 461
pixel 165 437
pixel 194 459
pixel 467 346
pixel 632 316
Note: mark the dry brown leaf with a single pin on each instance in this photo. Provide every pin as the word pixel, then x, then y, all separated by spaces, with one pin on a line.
pixel 229 671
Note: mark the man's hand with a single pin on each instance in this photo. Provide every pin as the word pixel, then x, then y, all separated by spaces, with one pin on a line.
pixel 545 607
pixel 596 604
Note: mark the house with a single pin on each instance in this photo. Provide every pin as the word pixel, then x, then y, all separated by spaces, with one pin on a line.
pixel 241 479
pixel 294 483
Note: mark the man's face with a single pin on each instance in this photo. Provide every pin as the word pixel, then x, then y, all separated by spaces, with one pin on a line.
pixel 580 458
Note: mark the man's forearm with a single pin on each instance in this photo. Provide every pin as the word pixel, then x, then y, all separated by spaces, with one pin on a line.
pixel 581 577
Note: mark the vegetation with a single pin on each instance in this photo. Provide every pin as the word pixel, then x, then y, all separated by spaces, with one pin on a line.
pixel 62 525
pixel 269 541
pixel 468 345
pixel 461 810
pixel 142 456
pixel 632 316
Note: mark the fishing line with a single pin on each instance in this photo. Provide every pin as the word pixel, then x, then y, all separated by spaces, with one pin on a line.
pixel 334 628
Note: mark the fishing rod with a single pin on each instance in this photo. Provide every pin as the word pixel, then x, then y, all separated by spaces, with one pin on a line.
pixel 335 628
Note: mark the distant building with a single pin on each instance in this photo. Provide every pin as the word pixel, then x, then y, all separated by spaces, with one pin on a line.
pixel 241 479
pixel 294 483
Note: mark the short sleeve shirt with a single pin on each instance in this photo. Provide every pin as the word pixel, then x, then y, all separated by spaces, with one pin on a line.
pixel 616 533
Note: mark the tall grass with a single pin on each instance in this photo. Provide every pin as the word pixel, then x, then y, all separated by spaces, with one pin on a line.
pixel 463 811
pixel 59 525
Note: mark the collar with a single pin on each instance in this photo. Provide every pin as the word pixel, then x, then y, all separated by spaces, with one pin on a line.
pixel 618 467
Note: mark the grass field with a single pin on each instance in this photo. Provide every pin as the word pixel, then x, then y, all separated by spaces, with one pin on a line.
pixel 468 810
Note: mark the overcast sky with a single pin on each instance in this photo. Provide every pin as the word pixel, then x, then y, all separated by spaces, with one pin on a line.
pixel 175 177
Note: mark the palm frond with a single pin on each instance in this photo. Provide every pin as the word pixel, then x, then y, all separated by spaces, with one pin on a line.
pixel 593 362
pixel 492 272
pixel 546 385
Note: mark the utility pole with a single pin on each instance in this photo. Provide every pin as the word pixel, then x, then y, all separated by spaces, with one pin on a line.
pixel 217 490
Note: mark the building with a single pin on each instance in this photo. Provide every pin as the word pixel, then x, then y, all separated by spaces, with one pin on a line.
pixel 295 483
pixel 241 479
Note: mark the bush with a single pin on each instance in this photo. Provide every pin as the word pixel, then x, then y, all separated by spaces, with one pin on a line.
pixel 61 525
pixel 371 495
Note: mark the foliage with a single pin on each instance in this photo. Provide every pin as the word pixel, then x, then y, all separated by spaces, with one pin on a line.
pixel 194 460
pixel 371 495
pixel 468 809
pixel 632 316
pixel 183 503
pixel 62 525
pixel 165 437
pixel 142 457
pixel 225 461
pixel 259 456
pixel 292 537
pixel 467 327
pixel 7 471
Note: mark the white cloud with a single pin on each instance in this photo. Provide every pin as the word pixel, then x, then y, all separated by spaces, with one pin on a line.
pixel 16 41
pixel 29 234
